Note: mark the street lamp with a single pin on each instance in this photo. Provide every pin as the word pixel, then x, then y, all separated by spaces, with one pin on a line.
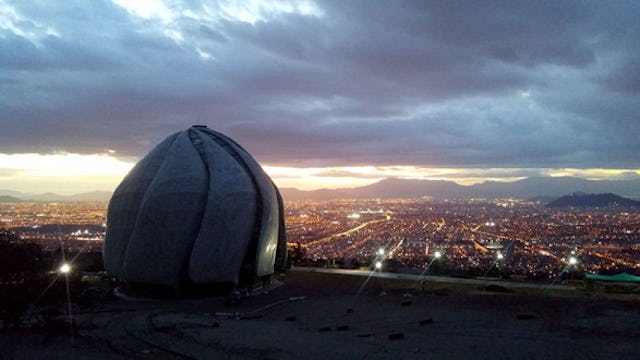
pixel 499 257
pixel 65 268
pixel 378 265
pixel 573 260
pixel 381 252
pixel 436 256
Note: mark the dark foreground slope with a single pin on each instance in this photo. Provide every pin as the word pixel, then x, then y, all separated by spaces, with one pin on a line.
pixel 318 316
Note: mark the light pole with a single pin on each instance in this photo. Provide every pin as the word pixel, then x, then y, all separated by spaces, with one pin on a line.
pixel 65 269
pixel 573 261
pixel 436 256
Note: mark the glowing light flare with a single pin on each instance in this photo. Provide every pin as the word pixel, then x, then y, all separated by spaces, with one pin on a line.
pixel 573 260
pixel 378 265
pixel 500 256
pixel 380 252
pixel 437 254
pixel 65 269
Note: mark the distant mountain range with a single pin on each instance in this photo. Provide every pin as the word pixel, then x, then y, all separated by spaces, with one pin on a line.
pixel 593 200
pixel 16 196
pixel 547 188
pixel 544 189
pixel 9 199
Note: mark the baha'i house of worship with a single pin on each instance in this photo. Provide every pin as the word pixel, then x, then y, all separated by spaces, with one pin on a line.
pixel 196 211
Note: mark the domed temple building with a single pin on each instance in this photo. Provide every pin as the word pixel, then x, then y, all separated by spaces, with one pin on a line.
pixel 196 210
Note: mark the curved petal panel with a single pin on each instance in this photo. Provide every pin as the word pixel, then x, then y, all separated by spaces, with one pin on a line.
pixel 169 218
pixel 229 217
pixel 125 205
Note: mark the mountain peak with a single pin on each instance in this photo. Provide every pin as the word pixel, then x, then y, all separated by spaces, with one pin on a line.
pixel 581 199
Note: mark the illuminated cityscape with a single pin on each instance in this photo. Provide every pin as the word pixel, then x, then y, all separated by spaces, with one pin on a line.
pixel 507 238
pixel 81 225
pixel 519 238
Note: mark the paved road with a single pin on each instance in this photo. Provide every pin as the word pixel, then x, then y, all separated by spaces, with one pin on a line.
pixel 438 279
pixel 344 233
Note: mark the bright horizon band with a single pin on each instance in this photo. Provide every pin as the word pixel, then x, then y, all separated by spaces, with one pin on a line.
pixel 67 173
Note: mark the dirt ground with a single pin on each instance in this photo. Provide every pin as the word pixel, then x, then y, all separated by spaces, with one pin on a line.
pixel 318 316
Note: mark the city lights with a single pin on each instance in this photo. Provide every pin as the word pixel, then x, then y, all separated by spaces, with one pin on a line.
pixel 456 228
pixel 378 265
pixel 420 233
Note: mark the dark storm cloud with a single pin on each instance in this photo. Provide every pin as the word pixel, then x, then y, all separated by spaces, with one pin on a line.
pixel 458 84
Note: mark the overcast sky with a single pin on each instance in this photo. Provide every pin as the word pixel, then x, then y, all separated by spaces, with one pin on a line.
pixel 427 84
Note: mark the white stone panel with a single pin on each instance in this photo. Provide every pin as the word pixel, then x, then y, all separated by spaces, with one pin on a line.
pixel 169 218
pixel 228 221
pixel 125 205
pixel 268 233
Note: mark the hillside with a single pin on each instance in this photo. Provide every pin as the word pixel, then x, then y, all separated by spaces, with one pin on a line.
pixel 593 200
pixel 9 199
pixel 309 315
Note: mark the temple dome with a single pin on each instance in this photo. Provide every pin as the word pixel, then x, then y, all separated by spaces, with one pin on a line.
pixel 196 210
